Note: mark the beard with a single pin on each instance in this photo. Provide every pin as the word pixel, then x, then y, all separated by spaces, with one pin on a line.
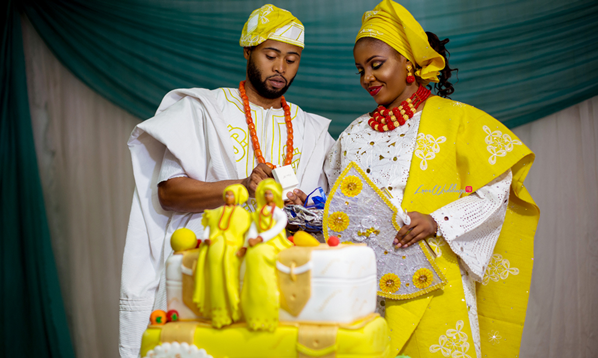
pixel 255 77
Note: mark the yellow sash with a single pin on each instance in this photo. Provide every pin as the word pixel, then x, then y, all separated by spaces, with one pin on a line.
pixel 460 149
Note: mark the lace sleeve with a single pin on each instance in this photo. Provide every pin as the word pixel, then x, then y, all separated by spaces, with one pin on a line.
pixel 471 225
pixel 171 167
pixel 332 165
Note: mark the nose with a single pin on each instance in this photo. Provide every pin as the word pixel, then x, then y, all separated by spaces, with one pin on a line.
pixel 368 77
pixel 280 66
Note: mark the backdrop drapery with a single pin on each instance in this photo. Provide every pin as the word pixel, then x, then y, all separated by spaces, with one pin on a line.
pixel 519 60
pixel 33 320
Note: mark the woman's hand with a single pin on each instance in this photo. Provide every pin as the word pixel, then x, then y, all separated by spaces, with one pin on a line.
pixel 421 227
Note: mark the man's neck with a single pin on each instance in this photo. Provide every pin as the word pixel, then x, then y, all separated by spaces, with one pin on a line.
pixel 255 98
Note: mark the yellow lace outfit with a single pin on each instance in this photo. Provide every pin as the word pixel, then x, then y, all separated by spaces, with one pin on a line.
pixel 217 272
pixel 260 297
pixel 475 150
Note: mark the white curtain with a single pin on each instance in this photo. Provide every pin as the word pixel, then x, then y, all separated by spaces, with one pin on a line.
pixel 88 186
pixel 87 179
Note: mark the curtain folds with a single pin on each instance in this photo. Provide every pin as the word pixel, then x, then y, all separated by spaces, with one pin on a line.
pixel 33 318
pixel 518 60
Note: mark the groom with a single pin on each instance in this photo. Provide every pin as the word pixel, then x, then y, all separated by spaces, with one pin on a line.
pixel 201 141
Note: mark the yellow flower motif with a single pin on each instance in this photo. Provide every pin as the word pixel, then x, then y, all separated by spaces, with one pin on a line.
pixel 338 221
pixel 351 186
pixel 390 283
pixel 422 278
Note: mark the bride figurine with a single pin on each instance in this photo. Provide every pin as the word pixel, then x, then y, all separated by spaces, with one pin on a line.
pixel 259 296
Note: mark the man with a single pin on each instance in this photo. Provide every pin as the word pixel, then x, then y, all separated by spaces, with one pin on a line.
pixel 199 142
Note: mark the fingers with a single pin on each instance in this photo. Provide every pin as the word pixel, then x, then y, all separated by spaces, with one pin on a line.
pixel 417 238
pixel 259 173
pixel 409 236
pixel 297 197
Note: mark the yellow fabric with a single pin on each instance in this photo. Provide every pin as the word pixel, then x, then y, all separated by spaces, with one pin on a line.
pixel 274 187
pixel 260 296
pixel 394 25
pixel 217 272
pixel 240 191
pixel 271 22
pixel 473 149
pixel 368 340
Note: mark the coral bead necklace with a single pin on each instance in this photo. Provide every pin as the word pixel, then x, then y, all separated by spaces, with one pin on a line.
pixel 254 141
pixel 384 120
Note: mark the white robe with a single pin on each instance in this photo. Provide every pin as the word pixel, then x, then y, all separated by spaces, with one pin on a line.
pixel 198 128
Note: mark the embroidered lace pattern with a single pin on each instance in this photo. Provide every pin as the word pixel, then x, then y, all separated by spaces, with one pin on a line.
pixel 472 224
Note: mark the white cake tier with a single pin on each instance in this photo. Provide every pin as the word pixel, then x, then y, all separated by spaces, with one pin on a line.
pixel 343 285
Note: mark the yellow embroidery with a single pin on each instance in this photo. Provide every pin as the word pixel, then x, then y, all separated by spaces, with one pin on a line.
pixel 427 147
pixel 454 344
pixel 390 283
pixel 422 278
pixel 239 137
pixel 499 144
pixel 435 244
pixel 351 186
pixel 338 221
pixel 494 337
pixel 498 269
pixel 368 232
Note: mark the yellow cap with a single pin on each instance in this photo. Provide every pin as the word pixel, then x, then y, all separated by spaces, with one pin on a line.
pixel 272 23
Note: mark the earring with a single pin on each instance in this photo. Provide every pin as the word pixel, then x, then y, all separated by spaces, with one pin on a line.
pixel 410 76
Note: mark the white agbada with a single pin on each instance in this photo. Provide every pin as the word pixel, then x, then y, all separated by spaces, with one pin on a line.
pixel 206 135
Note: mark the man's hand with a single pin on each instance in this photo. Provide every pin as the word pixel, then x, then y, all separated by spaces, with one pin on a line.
pixel 421 227
pixel 297 197
pixel 259 173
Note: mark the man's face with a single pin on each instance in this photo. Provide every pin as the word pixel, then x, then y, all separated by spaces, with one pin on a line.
pixel 272 66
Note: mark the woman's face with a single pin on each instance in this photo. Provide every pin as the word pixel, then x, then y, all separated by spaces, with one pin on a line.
pixel 383 72
pixel 229 197
pixel 269 197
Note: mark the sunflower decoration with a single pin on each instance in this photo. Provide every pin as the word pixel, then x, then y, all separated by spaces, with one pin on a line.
pixel 351 186
pixel 390 283
pixel 338 221
pixel 422 278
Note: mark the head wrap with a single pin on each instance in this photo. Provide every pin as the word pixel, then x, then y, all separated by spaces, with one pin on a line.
pixel 394 25
pixel 241 194
pixel 271 23
pixel 274 187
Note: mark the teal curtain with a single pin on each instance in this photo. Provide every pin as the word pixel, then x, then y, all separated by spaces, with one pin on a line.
pixel 33 319
pixel 518 60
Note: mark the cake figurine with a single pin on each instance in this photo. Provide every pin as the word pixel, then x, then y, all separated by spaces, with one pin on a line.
pixel 259 297
pixel 217 270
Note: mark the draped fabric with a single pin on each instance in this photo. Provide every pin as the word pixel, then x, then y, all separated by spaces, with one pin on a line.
pixel 33 319
pixel 518 60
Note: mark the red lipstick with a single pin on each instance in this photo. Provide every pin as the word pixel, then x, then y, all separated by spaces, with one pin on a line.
pixel 374 90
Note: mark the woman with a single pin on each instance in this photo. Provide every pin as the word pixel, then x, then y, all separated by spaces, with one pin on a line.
pixel 217 274
pixel 259 297
pixel 458 173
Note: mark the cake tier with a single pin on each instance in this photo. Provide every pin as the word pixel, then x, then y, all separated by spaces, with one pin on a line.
pixel 366 338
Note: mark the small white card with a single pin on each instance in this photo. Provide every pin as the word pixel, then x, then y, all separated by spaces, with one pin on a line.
pixel 286 177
